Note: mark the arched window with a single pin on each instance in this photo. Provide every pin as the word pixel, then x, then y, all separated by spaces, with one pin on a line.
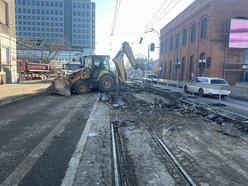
pixel 191 66
pixel 177 40
pixel 184 37
pixel 193 33
pixel 204 23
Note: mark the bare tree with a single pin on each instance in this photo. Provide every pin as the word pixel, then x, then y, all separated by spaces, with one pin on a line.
pixel 42 51
pixel 51 49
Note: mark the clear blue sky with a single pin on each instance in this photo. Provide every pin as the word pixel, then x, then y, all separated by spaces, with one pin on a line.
pixel 133 19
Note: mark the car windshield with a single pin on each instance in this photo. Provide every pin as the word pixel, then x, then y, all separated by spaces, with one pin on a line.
pixel 151 76
pixel 71 66
pixel 218 81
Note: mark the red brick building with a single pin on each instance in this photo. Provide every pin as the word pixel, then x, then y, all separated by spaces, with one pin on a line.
pixel 195 43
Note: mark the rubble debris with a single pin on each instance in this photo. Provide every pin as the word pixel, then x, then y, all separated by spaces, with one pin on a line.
pixel 204 140
pixel 146 100
pixel 229 129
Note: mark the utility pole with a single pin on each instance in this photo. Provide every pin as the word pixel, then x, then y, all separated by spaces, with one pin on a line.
pixel 148 58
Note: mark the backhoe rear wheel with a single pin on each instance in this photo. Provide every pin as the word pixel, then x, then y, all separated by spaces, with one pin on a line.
pixel 81 87
pixel 106 83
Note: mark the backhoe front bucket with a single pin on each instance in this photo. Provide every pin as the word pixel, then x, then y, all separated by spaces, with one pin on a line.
pixel 60 86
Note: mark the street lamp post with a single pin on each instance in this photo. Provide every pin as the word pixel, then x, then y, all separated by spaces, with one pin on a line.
pixel 202 63
pixel 149 45
pixel 148 58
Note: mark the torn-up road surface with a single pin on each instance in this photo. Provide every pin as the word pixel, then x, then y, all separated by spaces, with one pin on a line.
pixel 163 139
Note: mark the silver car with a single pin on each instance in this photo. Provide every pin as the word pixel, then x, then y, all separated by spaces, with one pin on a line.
pixel 207 86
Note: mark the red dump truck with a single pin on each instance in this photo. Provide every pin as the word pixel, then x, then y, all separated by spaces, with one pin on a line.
pixel 28 70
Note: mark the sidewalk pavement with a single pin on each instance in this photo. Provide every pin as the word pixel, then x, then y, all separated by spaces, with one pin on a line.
pixel 17 91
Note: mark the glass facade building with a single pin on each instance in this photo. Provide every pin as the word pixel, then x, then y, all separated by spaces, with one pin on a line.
pixel 71 21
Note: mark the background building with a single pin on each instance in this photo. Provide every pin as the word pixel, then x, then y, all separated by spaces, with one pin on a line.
pixel 7 42
pixel 71 22
pixel 195 43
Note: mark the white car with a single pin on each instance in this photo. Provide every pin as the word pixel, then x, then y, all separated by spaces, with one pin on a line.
pixel 207 86
pixel 152 78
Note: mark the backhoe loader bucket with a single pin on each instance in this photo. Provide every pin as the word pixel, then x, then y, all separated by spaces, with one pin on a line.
pixel 60 86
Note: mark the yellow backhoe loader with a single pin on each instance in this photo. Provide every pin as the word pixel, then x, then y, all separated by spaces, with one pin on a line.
pixel 95 74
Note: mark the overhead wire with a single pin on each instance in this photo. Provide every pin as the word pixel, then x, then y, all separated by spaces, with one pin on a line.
pixel 156 16
pixel 164 14
pixel 117 7
pixel 157 13
pixel 103 39
pixel 165 8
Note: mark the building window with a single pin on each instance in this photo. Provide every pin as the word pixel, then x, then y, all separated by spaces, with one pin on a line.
pixel 4 13
pixel 183 68
pixel 177 40
pixel 170 70
pixel 191 66
pixel 177 68
pixel 166 46
pixel 165 69
pixel 185 37
pixel 5 55
pixel 193 33
pixel 204 23
pixel 171 43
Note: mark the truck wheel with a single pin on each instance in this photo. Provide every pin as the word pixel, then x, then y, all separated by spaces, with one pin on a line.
pixel 81 87
pixel 43 78
pixel 106 83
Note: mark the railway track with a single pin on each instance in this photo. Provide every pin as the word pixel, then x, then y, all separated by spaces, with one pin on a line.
pixel 120 169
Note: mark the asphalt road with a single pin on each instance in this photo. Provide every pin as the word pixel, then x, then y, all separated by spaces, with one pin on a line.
pixel 38 137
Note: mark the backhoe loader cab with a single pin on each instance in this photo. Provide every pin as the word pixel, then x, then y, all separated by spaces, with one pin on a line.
pixel 97 62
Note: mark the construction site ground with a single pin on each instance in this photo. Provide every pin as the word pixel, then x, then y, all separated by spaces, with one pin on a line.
pixel 211 146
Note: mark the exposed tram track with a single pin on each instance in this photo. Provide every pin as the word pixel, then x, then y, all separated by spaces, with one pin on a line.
pixel 177 165
pixel 120 175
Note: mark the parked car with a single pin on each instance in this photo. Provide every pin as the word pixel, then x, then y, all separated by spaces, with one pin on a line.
pixel 152 78
pixel 207 86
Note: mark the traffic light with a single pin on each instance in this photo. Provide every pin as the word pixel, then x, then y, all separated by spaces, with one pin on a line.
pixel 208 62
pixel 152 47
